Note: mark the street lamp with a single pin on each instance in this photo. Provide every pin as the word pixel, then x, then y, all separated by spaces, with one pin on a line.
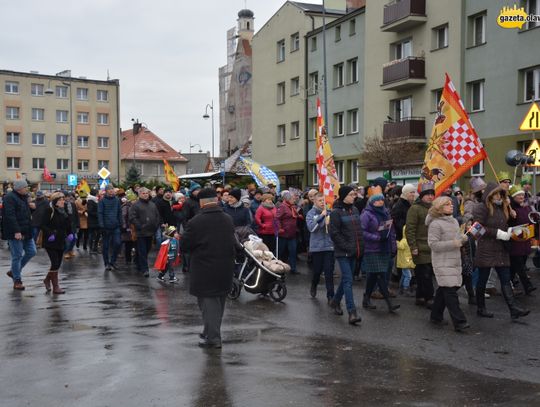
pixel 193 145
pixel 68 84
pixel 205 116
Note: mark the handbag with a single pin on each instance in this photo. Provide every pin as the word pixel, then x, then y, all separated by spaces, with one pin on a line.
pixel 163 256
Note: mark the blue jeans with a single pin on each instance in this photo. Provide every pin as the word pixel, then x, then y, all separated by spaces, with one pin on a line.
pixel 21 253
pixel 111 241
pixel 406 276
pixel 290 244
pixel 35 232
pixel 144 244
pixel 475 276
pixel 483 276
pixel 346 265
pixel 159 236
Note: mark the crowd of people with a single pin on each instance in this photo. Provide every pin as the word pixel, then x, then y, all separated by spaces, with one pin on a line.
pixel 385 233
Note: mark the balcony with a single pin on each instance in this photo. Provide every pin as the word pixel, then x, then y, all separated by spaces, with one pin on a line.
pixel 401 15
pixel 408 129
pixel 404 74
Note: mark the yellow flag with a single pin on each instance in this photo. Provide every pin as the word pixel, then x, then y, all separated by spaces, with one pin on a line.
pixel 83 186
pixel 170 176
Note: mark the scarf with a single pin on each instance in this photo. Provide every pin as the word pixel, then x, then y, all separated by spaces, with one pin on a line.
pixel 294 211
pixel 268 205
pixel 238 204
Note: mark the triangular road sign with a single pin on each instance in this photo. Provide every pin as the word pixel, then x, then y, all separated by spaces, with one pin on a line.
pixel 534 150
pixel 531 121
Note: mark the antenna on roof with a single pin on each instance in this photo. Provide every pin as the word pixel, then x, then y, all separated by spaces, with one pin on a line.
pixel 108 76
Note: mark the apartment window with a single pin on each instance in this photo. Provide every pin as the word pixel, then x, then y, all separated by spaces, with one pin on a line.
pixel 38 163
pixel 340 172
pixel 62 92
pixel 314 174
pixel 158 169
pixel 12 113
pixel 38 114
pixel 13 137
pixel 36 89
pixel 532 7
pixel 103 118
pixel 38 139
pixel 83 141
pixel 313 128
pixel 355 171
pixel 403 49
pixel 440 37
pixel 104 164
pixel 281 135
pixel 83 165
pixel 62 140
pixel 352 70
pixel 102 95
pixel 281 51
pixel 61 116
pixel 82 117
pixel 338 125
pixel 478 27
pixel 11 87
pixel 478 170
pixel 476 90
pixel 402 109
pixel 295 42
pixel 62 163
pixel 82 93
pixel 338 33
pixel 13 163
pixel 338 75
pixel 103 142
pixel 531 82
pixel 436 95
pixel 281 93
pixel 295 130
pixel 352 121
pixel 313 83
pixel 313 43
pixel 352 26
pixel 295 86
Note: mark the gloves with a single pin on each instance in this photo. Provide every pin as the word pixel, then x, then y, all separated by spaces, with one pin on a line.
pixel 71 237
pixel 52 238
pixel 502 235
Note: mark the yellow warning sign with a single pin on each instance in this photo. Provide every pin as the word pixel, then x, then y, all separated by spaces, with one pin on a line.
pixel 534 151
pixel 531 121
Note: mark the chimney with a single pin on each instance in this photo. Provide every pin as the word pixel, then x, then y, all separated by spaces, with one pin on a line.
pixel 355 4
pixel 136 127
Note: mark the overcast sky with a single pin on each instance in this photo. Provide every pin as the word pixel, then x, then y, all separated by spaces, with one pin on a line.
pixel 166 53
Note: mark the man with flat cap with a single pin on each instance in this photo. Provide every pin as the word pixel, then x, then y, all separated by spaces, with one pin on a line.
pixel 209 239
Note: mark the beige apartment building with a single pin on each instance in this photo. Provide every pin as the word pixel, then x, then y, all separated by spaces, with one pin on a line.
pixel 68 124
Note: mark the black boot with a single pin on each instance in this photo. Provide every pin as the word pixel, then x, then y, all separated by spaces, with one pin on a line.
pixel 313 290
pixel 353 318
pixel 481 311
pixel 391 307
pixel 336 307
pixel 472 300
pixel 515 311
pixel 366 303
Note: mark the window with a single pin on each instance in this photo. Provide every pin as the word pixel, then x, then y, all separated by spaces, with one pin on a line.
pixel 62 163
pixel 38 163
pixel 281 93
pixel 38 139
pixel 103 142
pixel 313 83
pixel 62 92
pixel 82 93
pixel 82 117
pixel 36 89
pixel 104 164
pixel 102 95
pixel 313 44
pixel 338 33
pixel 281 51
pixel 12 113
pixel 13 163
pixel 338 75
pixel 352 120
pixel 436 95
pixel 83 141
pixel 295 130
pixel 314 174
pixel 352 70
pixel 313 128
pixel 355 171
pixel 440 37
pixel 531 81
pixel 13 137
pixel 478 170
pixel 338 125
pixel 158 169
pixel 61 116
pixel 83 165
pixel 11 87
pixel 352 26
pixel 295 86
pixel 295 42
pixel 477 24
pixel 38 114
pixel 403 49
pixel 281 135
pixel 339 172
pixel 402 109
pixel 532 7
pixel 62 140
pixel 476 90
pixel 103 118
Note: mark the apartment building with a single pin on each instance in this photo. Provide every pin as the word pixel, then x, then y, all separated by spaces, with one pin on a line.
pixel 68 124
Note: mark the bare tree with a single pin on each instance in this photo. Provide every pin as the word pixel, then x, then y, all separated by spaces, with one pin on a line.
pixel 390 155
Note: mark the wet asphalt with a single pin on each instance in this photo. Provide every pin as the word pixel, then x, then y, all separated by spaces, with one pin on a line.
pixel 118 339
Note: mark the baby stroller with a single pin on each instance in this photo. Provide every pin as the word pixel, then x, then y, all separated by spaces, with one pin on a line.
pixel 258 271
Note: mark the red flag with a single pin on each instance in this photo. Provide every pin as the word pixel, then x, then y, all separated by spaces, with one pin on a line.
pixel 47 177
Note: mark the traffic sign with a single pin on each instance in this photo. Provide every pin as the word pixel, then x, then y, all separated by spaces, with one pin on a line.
pixel 103 183
pixel 72 180
pixel 531 122
pixel 534 151
pixel 104 173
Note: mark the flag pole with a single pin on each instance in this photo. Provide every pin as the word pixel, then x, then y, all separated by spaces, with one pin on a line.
pixel 492 168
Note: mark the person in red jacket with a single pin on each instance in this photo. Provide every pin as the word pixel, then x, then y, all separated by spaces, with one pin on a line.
pixel 265 217
pixel 287 217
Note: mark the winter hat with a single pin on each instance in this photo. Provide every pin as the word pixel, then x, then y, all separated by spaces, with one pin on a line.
pixel 376 197
pixel 344 191
pixel 193 186
pixel 515 190
pixel 407 189
pixel 381 182
pixel 109 187
pixel 525 181
pixel 40 194
pixel 503 176
pixel 55 196
pixel 267 196
pixel 20 184
pixel 477 184
pixel 427 188
pixel 207 193
pixel 235 193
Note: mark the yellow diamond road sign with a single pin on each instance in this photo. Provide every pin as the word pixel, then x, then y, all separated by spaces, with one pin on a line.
pixel 534 150
pixel 531 121
pixel 104 173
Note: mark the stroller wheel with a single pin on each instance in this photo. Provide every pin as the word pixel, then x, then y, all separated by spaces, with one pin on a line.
pixel 236 287
pixel 278 290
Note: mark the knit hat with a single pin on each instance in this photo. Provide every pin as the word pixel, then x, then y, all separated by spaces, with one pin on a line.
pixel 20 184
pixel 477 184
pixel 427 188
pixel 267 196
pixel 515 190
pixel 207 193
pixel 525 181
pixel 344 191
pixel 376 197
pixel 503 175
pixel 236 193
pixel 381 182
pixel 407 189
pixel 40 194
pixel 193 186
pixel 55 196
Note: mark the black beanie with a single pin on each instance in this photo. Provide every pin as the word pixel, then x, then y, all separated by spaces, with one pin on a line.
pixel 344 191
pixel 207 193
pixel 236 193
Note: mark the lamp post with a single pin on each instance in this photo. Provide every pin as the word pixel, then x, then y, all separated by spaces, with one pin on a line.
pixel 206 116
pixel 193 145
pixel 71 142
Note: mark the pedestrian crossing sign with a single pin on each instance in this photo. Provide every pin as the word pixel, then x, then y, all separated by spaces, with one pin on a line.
pixel 531 122
pixel 103 183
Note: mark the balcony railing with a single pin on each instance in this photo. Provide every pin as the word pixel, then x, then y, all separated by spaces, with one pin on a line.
pixel 404 73
pixel 408 129
pixel 403 14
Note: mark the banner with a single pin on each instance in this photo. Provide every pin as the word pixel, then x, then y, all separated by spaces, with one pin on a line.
pixel 83 186
pixel 170 176
pixel 47 177
pixel 261 174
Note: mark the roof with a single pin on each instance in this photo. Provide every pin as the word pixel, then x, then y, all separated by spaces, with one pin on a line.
pixel 350 15
pixel 315 8
pixel 148 146
pixel 112 82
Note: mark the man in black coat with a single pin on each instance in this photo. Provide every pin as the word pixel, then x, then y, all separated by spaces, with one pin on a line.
pixel 401 207
pixel 209 237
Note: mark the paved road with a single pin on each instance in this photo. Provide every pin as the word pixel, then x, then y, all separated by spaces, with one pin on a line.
pixel 117 339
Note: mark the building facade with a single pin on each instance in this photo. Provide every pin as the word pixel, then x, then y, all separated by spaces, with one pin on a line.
pixel 70 125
